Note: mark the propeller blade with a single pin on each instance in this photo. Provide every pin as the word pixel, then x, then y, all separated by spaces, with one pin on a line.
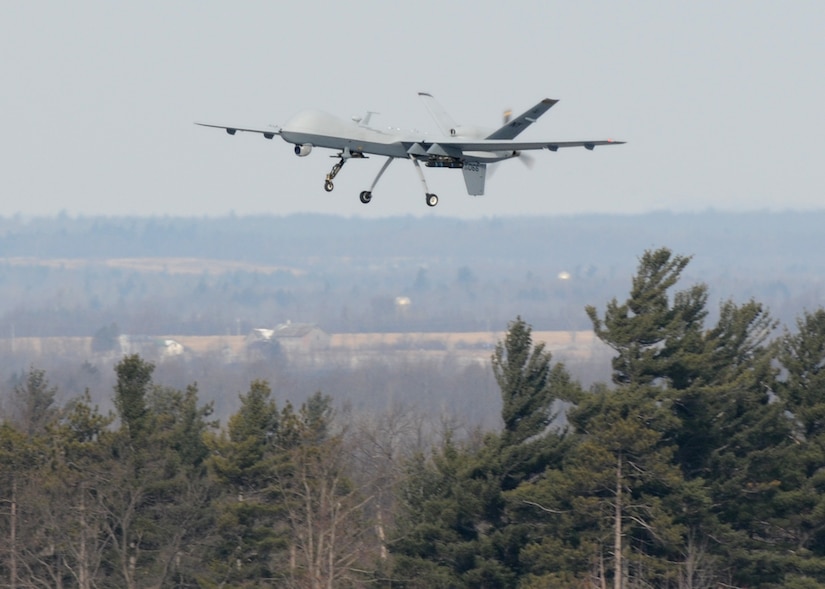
pixel 527 159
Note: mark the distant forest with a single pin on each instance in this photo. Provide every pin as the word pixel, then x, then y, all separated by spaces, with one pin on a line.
pixel 66 276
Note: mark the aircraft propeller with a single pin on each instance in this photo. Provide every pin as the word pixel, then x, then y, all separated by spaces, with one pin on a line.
pixel 525 158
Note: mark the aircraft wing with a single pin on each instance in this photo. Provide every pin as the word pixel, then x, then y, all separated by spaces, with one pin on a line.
pixel 268 132
pixel 492 145
pixel 515 126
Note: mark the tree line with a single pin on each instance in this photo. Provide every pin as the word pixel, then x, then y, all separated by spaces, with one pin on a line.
pixel 700 465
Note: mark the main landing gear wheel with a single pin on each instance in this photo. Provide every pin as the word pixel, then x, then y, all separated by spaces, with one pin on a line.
pixel 366 196
pixel 328 185
pixel 432 199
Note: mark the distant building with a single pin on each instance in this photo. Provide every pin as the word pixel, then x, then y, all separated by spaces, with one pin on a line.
pixel 150 347
pixel 259 335
pixel 291 337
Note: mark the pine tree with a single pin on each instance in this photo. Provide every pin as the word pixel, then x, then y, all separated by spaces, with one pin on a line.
pixel 134 377
pixel 176 515
pixel 727 436
pixel 158 487
pixel 244 461
pixel 623 474
pixel 604 515
pixel 653 335
pixel 79 469
pixel 18 459
pixel 524 374
pixel 435 543
pixel 802 355
pixel 729 387
pixel 457 526
pixel 799 499
pixel 33 399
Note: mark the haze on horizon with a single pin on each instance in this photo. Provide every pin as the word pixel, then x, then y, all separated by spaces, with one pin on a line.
pixel 720 104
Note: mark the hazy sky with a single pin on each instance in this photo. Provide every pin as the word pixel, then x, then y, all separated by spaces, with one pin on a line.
pixel 721 103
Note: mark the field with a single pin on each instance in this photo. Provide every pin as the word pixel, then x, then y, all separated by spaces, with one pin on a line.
pixel 156 265
pixel 464 347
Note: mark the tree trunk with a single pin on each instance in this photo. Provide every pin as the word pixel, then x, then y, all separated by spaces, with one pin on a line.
pixel 13 535
pixel 617 530
pixel 382 537
pixel 83 568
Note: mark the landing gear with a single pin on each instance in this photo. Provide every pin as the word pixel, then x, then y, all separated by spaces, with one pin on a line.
pixel 432 199
pixel 366 195
pixel 328 185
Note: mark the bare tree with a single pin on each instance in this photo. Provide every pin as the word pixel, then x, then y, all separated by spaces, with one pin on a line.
pixel 326 514
pixel 380 443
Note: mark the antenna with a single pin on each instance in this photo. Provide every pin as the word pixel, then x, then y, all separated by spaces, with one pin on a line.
pixel 365 120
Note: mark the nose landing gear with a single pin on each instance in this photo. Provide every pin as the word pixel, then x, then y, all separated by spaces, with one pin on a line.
pixel 328 185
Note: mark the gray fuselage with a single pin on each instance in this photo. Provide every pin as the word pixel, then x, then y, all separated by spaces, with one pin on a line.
pixel 319 129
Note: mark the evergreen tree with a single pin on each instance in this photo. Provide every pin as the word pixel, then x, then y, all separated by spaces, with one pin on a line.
pixel 728 437
pixel 605 514
pixel 23 442
pixel 244 462
pixel 290 513
pixel 158 482
pixel 456 527
pixel 177 519
pixel 435 543
pixel 652 334
pixel 19 458
pixel 799 496
pixel 732 438
pixel 134 377
pixel 523 373
pixel 728 398
pixel 623 480
pixel 72 518
pixel 33 400
pixel 802 355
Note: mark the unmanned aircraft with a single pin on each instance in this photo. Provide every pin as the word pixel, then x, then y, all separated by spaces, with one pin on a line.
pixel 469 149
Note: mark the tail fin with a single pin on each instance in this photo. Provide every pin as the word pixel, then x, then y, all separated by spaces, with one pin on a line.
pixel 474 175
pixel 515 126
pixel 445 123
